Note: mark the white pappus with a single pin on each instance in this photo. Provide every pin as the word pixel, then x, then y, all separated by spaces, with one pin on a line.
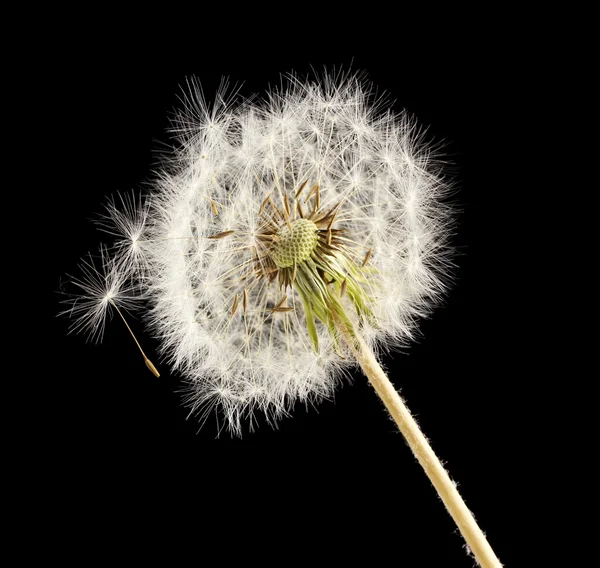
pixel 279 225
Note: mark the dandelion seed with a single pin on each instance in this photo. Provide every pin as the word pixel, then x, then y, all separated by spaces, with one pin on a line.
pixel 221 235
pixel 263 205
pixel 104 286
pixel 235 305
pixel 367 257
pixel 301 188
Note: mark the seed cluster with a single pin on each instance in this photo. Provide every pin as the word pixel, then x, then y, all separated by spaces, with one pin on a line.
pixel 296 243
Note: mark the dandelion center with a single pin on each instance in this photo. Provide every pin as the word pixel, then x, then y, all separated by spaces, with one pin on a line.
pixel 296 243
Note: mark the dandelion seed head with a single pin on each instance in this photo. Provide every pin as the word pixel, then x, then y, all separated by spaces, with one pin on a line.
pixel 275 218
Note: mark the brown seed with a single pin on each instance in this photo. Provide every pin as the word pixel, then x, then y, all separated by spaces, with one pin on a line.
pixel 267 237
pixel 235 305
pixel 335 212
pixel 301 188
pixel 221 235
pixel 274 207
pixel 286 203
pixel 343 290
pixel 313 189
pixel 152 368
pixel 213 206
pixel 245 300
pixel 264 204
pixel 367 257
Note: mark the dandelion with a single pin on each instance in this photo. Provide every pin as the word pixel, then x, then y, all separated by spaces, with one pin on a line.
pixel 288 239
pixel 104 287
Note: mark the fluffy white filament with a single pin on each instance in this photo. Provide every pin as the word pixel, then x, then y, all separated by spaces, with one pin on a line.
pixel 212 314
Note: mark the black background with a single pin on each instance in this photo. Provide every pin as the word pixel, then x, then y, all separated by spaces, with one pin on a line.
pixel 332 480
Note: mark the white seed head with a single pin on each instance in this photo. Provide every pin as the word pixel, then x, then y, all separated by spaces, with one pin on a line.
pixel 317 194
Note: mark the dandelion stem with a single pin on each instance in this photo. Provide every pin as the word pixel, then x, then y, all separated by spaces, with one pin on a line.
pixel 149 363
pixel 425 455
